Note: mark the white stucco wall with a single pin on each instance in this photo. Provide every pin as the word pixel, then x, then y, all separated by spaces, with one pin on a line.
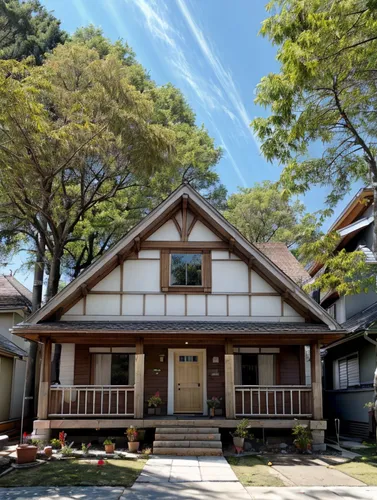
pixel 141 296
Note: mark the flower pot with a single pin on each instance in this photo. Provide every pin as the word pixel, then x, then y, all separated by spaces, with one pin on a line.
pixel 48 451
pixel 158 411
pixel 26 454
pixel 218 412
pixel 211 412
pixel 238 442
pixel 109 448
pixel 151 411
pixel 133 446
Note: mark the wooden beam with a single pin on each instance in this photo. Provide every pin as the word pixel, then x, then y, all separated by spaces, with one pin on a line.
pixel 193 222
pixel 45 380
pixel 183 245
pixel 139 385
pixel 184 217
pixel 316 370
pixel 177 226
pixel 230 403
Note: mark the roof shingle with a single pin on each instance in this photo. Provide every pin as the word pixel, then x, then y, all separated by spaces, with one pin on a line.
pixel 11 348
pixel 13 295
pixel 280 255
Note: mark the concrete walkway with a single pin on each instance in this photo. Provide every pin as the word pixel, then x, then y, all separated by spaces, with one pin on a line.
pixel 187 477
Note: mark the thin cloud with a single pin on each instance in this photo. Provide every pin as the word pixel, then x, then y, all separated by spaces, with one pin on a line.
pixel 223 76
pixel 83 12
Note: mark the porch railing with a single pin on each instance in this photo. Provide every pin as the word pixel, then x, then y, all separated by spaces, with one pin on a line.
pixel 91 400
pixel 274 400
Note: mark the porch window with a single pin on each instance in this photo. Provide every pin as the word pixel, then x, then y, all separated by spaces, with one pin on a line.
pixel 186 269
pixel 254 369
pixel 114 369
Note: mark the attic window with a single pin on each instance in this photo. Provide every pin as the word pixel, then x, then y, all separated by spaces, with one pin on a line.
pixel 185 269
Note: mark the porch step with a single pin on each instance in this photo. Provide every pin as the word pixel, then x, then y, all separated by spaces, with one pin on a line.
pixel 183 441
pixel 187 430
pixel 189 436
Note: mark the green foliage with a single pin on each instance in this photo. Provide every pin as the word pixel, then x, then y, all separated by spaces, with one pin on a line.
pixel 323 100
pixel 27 29
pixel 303 436
pixel 242 430
pixel 325 93
pixel 264 213
pixel 55 443
pixel 108 441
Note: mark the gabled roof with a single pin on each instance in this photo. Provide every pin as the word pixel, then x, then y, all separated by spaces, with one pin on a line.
pixel 13 295
pixel 285 260
pixel 349 221
pixel 362 320
pixel 207 214
pixel 9 348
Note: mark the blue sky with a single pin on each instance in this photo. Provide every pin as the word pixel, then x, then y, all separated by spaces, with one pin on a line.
pixel 210 50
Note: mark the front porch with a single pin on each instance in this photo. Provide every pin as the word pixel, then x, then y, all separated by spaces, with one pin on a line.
pixel 270 385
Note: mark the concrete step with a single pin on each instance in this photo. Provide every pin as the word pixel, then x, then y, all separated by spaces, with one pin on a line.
pixel 188 436
pixel 187 444
pixel 187 430
pixel 200 452
pixel 4 439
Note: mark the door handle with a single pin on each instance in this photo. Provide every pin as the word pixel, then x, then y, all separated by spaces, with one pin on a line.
pixel 198 385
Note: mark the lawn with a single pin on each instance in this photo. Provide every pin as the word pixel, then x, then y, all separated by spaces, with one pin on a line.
pixel 76 473
pixel 363 471
pixel 253 471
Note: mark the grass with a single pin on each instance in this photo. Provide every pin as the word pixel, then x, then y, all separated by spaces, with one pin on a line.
pixel 76 473
pixel 253 471
pixel 364 472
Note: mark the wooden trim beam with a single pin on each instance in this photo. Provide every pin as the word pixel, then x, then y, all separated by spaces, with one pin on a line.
pixel 184 217
pixel 45 380
pixel 184 245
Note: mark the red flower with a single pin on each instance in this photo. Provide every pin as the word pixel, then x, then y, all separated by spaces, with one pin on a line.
pixel 101 462
pixel 25 434
pixel 157 394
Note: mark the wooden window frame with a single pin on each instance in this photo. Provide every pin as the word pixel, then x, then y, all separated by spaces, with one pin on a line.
pixel 206 286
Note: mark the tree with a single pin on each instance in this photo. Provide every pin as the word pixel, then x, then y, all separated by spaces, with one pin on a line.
pixel 324 97
pixel 73 134
pixel 263 214
pixel 27 29
pixel 194 161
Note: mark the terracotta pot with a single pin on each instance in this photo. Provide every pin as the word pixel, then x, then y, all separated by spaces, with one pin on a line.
pixel 26 455
pixel 48 451
pixel 211 412
pixel 238 442
pixel 109 448
pixel 151 411
pixel 133 446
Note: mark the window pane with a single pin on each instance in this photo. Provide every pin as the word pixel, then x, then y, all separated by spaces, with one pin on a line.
pixel 249 369
pixel 186 269
pixel 188 359
pixel 119 369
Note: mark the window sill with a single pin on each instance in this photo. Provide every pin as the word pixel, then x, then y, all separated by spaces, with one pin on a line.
pixel 186 289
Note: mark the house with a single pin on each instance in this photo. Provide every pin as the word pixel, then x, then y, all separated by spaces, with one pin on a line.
pixel 186 306
pixel 349 363
pixel 15 305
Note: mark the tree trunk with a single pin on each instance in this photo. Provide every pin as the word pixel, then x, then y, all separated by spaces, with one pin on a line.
pixel 54 276
pixel 30 403
pixel 374 249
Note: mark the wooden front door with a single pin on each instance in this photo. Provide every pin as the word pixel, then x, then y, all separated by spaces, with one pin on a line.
pixel 188 382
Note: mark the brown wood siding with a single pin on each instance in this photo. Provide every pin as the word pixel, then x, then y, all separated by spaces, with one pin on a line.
pixel 216 373
pixel 82 365
pixel 289 363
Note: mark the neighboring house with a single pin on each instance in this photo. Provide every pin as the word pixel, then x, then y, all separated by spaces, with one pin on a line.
pixel 186 306
pixel 349 363
pixel 15 305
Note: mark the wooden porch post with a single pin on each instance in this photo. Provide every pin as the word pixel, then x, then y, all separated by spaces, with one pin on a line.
pixel 45 381
pixel 316 370
pixel 139 380
pixel 230 411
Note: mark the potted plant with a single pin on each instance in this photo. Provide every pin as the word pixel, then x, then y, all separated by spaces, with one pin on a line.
pixel 109 445
pixel 55 444
pixel 26 453
pixel 85 449
pixel 62 438
pixel 66 450
pixel 212 404
pixel 240 434
pixel 154 404
pixel 132 435
pixel 303 437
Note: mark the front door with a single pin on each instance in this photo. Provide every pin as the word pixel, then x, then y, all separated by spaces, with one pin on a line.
pixel 188 381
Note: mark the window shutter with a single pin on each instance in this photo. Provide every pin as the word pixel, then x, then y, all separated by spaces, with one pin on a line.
pixel 164 270
pixel 353 371
pixel 266 369
pixel 207 271
pixel 342 363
